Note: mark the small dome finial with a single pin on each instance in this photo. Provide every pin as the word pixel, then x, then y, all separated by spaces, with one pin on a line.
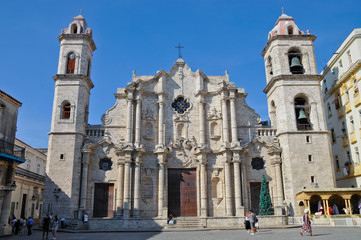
pixel 133 72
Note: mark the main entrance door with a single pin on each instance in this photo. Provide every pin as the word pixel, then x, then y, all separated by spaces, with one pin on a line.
pixel 103 200
pixel 182 192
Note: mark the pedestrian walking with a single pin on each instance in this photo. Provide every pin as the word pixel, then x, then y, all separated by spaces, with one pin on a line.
pixel 46 225
pixel 252 221
pixel 306 227
pixel 247 224
pixel 54 226
pixel 29 224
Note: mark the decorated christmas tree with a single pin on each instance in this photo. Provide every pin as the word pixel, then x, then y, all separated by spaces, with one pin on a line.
pixel 265 204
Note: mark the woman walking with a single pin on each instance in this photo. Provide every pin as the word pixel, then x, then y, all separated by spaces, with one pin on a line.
pixel 306 223
pixel 54 226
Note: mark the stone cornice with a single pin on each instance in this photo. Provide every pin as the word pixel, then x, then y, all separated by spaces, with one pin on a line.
pixel 74 77
pixel 292 77
pixel 287 37
pixel 78 36
pixel 303 132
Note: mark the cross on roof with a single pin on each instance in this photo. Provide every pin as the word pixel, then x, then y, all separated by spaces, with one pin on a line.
pixel 80 11
pixel 283 10
pixel 179 50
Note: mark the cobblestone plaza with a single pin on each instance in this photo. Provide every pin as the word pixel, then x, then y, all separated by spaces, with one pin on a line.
pixel 280 234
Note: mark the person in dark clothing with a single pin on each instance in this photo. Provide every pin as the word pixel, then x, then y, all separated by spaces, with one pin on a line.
pixel 46 225
pixel 17 226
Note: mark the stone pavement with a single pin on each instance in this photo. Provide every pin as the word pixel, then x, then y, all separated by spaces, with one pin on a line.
pixel 350 233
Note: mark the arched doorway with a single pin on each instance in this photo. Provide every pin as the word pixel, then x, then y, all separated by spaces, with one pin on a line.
pixel 337 203
pixel 354 203
pixel 314 203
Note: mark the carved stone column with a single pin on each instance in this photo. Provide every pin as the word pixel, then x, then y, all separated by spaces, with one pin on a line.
pixel 228 185
pixel 137 185
pixel 128 139
pixel 237 184
pixel 203 178
pixel 233 118
pixel 127 182
pixel 161 102
pixel 161 174
pixel 119 200
pixel 276 162
pixel 244 183
pixel 84 181
pixel 225 119
pixel 138 121
pixel 201 121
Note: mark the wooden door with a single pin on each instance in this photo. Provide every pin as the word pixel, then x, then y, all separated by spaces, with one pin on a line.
pixel 255 195
pixel 182 192
pixel 103 200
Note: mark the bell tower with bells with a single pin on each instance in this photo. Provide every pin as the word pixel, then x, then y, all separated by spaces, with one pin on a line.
pixel 69 119
pixel 296 110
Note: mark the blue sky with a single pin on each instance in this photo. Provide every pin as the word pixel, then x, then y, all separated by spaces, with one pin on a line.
pixel 142 35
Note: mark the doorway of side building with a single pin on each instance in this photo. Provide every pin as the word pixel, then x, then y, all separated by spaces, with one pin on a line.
pixel 103 200
pixel 182 192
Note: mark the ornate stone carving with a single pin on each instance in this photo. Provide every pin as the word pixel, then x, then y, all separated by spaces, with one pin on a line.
pixel 214 114
pixel 106 119
pixel 183 153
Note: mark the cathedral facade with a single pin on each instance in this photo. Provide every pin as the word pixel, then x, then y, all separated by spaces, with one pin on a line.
pixel 184 143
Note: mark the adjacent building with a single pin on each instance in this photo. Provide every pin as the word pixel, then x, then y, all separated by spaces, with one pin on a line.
pixel 27 199
pixel 342 101
pixel 10 156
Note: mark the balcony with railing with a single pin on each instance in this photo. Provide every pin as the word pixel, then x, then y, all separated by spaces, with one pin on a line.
pixel 11 152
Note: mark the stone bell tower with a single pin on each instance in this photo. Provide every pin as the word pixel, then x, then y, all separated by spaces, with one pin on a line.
pixel 296 109
pixel 69 119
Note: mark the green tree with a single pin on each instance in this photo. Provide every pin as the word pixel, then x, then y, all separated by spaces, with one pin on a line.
pixel 265 204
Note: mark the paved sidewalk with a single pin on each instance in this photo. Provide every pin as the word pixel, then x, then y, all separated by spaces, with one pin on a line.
pixel 266 234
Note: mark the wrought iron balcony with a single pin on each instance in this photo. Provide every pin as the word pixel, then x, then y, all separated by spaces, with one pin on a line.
pixel 10 151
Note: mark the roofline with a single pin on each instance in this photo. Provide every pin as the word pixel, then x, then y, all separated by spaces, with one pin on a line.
pixel 10 98
pixel 356 33
pixel 30 147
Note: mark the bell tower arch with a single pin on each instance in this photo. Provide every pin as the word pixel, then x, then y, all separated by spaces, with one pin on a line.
pixel 296 109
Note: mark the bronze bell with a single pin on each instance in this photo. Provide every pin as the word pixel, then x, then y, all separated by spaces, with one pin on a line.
pixel 296 67
pixel 302 114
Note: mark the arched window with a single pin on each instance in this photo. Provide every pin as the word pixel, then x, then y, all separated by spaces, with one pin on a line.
pixel 71 63
pixel 295 62
pixel 302 110
pixel 290 30
pixel 74 28
pixel 66 111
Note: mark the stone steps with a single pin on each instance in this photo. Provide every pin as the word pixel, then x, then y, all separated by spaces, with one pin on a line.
pixel 185 223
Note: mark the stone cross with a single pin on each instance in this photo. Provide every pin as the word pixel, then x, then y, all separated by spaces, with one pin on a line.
pixel 283 10
pixel 179 50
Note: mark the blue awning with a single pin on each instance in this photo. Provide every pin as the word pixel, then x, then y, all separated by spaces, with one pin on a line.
pixel 12 159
